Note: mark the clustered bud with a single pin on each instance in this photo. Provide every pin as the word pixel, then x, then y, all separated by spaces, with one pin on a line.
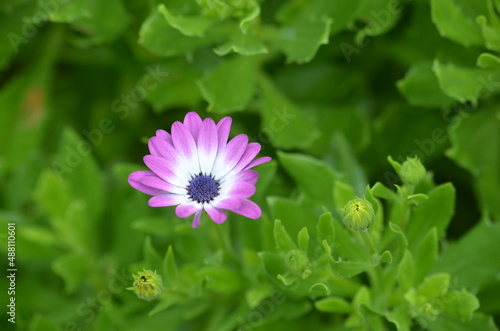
pixel 358 214
pixel 296 260
pixel 412 171
pixel 147 285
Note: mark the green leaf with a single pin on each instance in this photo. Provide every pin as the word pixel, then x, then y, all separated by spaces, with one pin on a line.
pixel 400 317
pixel 242 43
pixel 52 194
pixel 481 162
pixel 152 259
pixel 333 305
pixel 350 268
pixel 283 240
pixel 189 26
pixel 420 87
pixel 294 214
pixel 285 124
pixel 434 286
pixel 256 294
pixel 159 37
pixel 433 212
pixel 170 267
pixel 386 257
pixel 488 61
pixel 461 304
pixel 313 177
pixel 325 228
pixel 381 191
pixel 461 259
pixel 222 279
pixel 72 268
pixel 231 85
pixel 406 272
pixel 456 22
pixel 75 166
pixel 466 84
pixel 301 40
pixel 342 193
pixel 303 239
pixel 426 254
pixel 319 290
pixel 444 322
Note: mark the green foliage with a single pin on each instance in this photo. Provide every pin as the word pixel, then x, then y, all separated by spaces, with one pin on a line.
pixel 329 88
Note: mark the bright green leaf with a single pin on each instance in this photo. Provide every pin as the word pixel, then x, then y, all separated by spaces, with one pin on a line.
pixel 313 177
pixel 333 305
pixel 285 124
pixel 189 26
pixel 231 85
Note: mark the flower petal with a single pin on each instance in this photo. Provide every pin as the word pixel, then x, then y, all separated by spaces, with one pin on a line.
pixel 158 183
pixel 249 209
pixel 164 135
pixel 185 144
pixel 168 152
pixel 165 170
pixel 258 161
pixel 229 156
pixel 249 176
pixel 217 215
pixel 192 121
pixel 250 152
pixel 242 190
pixel 187 209
pixel 223 128
pixel 166 200
pixel 134 179
pixel 196 220
pixel 207 145
pixel 229 203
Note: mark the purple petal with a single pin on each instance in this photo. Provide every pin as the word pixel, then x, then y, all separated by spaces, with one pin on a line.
pixel 229 203
pixel 164 135
pixel 242 190
pixel 187 209
pixel 196 220
pixel 251 151
pixel 207 145
pixel 258 161
pixel 165 170
pixel 217 215
pixel 166 200
pixel 249 176
pixel 134 179
pixel 249 209
pixel 158 183
pixel 192 121
pixel 169 153
pixel 230 155
pixel 223 128
pixel 185 144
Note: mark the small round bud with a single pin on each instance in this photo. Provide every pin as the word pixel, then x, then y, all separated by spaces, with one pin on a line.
pixel 412 171
pixel 296 260
pixel 147 285
pixel 358 214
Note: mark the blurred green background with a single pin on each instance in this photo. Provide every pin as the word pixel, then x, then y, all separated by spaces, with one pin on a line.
pixel 85 83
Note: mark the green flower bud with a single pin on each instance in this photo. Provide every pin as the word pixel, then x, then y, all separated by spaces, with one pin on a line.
pixel 412 171
pixel 358 214
pixel 147 285
pixel 296 260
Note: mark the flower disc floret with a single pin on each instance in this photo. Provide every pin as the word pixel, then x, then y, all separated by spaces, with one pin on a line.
pixel 196 168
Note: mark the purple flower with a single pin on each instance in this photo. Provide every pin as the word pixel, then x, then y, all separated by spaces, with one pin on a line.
pixel 196 169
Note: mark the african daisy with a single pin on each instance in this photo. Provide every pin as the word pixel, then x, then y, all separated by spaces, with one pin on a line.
pixel 196 168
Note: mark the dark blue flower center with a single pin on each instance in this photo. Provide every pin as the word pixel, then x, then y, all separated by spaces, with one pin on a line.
pixel 203 189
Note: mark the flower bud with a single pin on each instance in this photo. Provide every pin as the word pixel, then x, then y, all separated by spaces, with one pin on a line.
pixel 296 260
pixel 412 171
pixel 358 214
pixel 147 285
